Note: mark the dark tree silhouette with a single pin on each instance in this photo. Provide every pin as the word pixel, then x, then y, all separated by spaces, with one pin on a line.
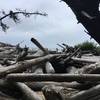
pixel 87 13
pixel 14 16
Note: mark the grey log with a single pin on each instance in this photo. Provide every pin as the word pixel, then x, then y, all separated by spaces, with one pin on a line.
pixel 48 67
pixel 37 86
pixel 83 60
pixel 24 77
pixel 87 94
pixel 53 92
pixel 39 45
pixel 21 66
pixel 69 57
pixel 27 92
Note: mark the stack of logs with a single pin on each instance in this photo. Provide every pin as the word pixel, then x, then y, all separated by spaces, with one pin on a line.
pixel 47 75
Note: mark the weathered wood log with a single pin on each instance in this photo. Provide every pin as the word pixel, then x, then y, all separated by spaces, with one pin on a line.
pixel 65 45
pixel 18 49
pixel 5 97
pixel 83 60
pixel 6 62
pixel 69 57
pixel 53 92
pixel 10 89
pixel 87 94
pixel 49 68
pixel 68 49
pixel 37 86
pixel 24 77
pixel 90 69
pixel 39 45
pixel 37 68
pixel 38 71
pixel 23 54
pixel 21 66
pixel 61 93
pixel 39 53
pixel 13 90
pixel 6 45
pixel 95 98
pixel 3 55
pixel 61 46
pixel 27 92
pixel 28 57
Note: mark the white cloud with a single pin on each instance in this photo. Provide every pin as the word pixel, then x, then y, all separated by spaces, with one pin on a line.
pixel 60 25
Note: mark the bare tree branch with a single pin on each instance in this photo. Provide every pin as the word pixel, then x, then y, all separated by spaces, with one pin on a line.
pixel 14 16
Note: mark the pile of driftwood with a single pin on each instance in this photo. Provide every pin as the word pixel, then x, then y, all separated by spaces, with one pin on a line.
pixel 47 75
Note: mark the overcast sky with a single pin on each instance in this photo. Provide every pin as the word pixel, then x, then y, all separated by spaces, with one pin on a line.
pixel 59 26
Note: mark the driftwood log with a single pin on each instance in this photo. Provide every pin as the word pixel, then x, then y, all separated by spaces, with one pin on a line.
pixel 52 92
pixel 10 89
pixel 39 45
pixel 69 57
pixel 21 66
pixel 89 69
pixel 37 86
pixel 61 93
pixel 48 66
pixel 81 60
pixel 63 86
pixel 24 77
pixel 88 94
pixel 27 92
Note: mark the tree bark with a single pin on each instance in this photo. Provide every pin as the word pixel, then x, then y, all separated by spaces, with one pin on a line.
pixel 87 13
pixel 24 77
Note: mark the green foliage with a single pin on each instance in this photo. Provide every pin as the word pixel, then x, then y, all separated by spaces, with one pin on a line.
pixel 86 46
pixel 89 46
pixel 97 51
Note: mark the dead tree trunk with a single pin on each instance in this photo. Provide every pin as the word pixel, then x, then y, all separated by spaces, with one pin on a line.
pixel 87 13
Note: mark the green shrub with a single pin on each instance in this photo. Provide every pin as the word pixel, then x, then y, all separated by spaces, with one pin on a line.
pixel 97 51
pixel 89 46
pixel 86 46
